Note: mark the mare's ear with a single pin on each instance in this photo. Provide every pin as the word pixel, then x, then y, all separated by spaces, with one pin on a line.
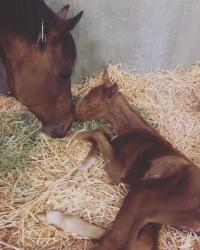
pixel 63 12
pixel 63 27
pixel 110 91
pixel 70 24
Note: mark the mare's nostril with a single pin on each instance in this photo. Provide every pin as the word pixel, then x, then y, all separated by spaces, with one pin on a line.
pixel 60 130
pixel 54 133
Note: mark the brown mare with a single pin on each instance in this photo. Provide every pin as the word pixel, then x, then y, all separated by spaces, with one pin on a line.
pixel 165 185
pixel 39 53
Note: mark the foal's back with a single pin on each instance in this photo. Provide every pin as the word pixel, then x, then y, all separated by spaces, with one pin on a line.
pixel 138 149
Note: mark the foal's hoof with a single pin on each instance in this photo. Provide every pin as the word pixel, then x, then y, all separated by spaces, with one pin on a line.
pixel 72 224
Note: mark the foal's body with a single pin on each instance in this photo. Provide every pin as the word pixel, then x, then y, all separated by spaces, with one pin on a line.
pixel 165 187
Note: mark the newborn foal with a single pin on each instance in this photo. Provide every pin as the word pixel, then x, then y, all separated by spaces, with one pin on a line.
pixel 165 187
pixel 165 183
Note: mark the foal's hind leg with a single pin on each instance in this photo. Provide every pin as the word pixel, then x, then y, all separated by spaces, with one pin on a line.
pixel 148 238
pixel 151 203
pixel 187 219
pixel 155 210
pixel 120 232
pixel 190 220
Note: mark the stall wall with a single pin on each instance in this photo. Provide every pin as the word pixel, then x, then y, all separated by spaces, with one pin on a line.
pixel 140 34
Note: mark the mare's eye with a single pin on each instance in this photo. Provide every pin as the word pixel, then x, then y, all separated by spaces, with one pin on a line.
pixel 64 76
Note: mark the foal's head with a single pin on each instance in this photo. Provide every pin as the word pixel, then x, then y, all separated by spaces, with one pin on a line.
pixel 102 102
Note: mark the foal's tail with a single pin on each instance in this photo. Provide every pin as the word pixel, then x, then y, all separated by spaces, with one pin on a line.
pixel 72 224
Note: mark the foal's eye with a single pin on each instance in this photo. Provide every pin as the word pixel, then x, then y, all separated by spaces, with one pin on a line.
pixel 64 76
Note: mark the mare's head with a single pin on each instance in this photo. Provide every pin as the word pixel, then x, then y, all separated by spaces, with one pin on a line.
pixel 102 102
pixel 39 62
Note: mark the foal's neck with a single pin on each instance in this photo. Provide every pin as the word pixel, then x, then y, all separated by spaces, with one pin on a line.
pixel 124 119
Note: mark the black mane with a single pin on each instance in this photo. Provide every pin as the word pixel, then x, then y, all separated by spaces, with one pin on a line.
pixel 24 17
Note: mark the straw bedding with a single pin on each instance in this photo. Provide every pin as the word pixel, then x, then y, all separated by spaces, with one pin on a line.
pixel 42 176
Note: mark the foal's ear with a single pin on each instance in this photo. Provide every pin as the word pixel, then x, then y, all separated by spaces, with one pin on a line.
pixel 63 12
pixel 106 79
pixel 111 91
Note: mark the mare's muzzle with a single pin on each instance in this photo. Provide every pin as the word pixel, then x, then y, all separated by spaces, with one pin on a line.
pixel 57 130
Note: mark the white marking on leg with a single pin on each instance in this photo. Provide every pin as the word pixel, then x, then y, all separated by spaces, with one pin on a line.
pixel 72 224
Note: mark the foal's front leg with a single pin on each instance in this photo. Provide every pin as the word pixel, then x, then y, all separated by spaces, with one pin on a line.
pixel 101 143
